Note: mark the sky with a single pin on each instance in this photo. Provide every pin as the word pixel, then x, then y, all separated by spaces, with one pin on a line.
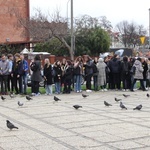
pixel 115 10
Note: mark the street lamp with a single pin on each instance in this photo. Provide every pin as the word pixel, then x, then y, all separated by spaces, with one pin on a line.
pixel 72 37
pixel 149 28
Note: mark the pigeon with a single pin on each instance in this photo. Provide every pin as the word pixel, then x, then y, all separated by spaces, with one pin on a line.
pixel 77 106
pixel 2 97
pixel 126 95
pixel 84 95
pixel 10 125
pixel 147 95
pixel 11 95
pixel 28 97
pixel 107 104
pixel 138 107
pixel 20 104
pixel 117 100
pixel 56 99
pixel 122 106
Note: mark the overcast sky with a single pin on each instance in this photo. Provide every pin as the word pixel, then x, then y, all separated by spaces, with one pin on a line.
pixel 115 10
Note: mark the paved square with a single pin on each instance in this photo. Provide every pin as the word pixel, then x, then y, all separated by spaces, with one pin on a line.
pixel 48 125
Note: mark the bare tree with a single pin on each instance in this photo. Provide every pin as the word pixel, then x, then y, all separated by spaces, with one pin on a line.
pixel 130 33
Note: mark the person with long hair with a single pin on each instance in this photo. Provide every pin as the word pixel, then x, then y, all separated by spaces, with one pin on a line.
pixel 78 71
pixel 48 77
pixel 36 76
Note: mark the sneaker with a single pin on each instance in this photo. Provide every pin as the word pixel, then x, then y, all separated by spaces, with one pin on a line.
pixel 123 90
pixel 33 94
pixel 88 90
pixel 102 90
pixel 77 91
pixel 105 90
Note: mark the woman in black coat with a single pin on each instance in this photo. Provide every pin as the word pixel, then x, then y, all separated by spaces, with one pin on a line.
pixel 36 76
pixel 57 77
pixel 48 77
pixel 68 75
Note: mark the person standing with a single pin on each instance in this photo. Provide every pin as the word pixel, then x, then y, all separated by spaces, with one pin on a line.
pixel 78 71
pixel 101 66
pixel 138 74
pixel 36 76
pixel 68 74
pixel 57 77
pixel 24 75
pixel 17 72
pixel 95 74
pixel 10 83
pixel 48 77
pixel 4 71
pixel 88 65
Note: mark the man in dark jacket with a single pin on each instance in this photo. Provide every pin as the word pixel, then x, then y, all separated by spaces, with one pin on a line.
pixel 17 72
pixel 88 65
pixel 115 69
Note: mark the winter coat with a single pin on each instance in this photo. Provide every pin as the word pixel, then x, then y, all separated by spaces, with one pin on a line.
pixel 58 73
pixel 139 70
pixel 115 65
pixel 68 73
pixel 101 73
pixel 36 75
pixel 89 68
pixel 145 67
pixel 17 68
pixel 48 74
pixel 125 70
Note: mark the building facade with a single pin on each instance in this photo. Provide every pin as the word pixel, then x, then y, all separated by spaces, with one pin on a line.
pixel 11 11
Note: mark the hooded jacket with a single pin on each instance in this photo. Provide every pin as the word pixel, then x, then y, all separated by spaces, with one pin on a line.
pixel 139 70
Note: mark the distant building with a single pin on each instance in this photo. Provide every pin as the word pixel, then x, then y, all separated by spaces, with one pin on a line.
pixel 9 31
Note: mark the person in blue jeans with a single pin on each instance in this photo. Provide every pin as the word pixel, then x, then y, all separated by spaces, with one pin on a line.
pixel 25 72
pixel 78 71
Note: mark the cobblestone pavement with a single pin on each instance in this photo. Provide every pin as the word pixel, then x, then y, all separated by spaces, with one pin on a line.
pixel 48 125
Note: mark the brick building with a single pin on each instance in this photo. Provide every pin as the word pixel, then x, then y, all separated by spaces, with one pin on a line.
pixel 10 11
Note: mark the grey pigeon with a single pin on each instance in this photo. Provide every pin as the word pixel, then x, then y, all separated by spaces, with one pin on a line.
pixel 117 100
pixel 2 97
pixel 28 97
pixel 11 95
pixel 147 95
pixel 107 104
pixel 126 95
pixel 56 99
pixel 84 95
pixel 138 107
pixel 77 106
pixel 20 104
pixel 10 125
pixel 122 106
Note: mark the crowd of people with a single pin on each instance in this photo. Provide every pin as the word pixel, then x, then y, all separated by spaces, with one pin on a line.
pixel 111 73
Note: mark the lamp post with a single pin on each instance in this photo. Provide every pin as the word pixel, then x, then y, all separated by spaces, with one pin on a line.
pixel 72 37
pixel 149 28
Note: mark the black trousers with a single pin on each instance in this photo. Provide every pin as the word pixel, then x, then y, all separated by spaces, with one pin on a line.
pixel 116 83
pixel 17 80
pixel 88 81
pixel 10 83
pixel 67 86
pixel 35 87
pixel 3 80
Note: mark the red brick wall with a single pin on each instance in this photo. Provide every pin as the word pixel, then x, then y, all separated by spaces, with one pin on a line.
pixel 8 20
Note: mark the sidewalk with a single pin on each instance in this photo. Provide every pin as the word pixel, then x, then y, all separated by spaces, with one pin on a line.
pixel 48 125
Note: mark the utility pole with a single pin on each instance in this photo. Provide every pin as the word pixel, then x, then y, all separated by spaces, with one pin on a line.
pixel 149 28
pixel 72 37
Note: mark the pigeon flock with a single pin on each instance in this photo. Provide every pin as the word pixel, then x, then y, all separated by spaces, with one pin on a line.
pixel 56 99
